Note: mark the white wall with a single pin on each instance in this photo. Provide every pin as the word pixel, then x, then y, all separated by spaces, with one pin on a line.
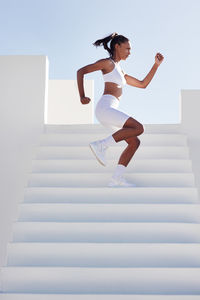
pixel 22 96
pixel 64 106
pixel 190 125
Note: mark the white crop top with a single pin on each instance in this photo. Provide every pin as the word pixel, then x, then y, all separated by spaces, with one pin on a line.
pixel 115 75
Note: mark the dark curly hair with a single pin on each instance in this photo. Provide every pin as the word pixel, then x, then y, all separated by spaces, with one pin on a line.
pixel 115 39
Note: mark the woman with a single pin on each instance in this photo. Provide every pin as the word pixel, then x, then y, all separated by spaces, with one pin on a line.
pixel 126 127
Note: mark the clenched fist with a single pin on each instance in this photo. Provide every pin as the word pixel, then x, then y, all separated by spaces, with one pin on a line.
pixel 159 58
pixel 85 100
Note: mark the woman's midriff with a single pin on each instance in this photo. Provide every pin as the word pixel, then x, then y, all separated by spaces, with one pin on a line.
pixel 113 89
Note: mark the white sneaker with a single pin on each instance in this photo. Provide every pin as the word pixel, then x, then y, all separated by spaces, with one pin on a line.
pixel 98 148
pixel 120 182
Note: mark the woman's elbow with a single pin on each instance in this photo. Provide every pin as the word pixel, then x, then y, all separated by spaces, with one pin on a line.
pixel 143 85
pixel 80 72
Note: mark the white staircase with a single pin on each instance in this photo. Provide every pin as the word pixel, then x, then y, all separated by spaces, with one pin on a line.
pixel 75 238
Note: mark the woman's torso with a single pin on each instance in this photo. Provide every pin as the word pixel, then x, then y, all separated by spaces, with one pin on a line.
pixel 114 71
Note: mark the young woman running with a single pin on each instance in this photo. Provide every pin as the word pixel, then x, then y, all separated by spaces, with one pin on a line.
pixel 106 111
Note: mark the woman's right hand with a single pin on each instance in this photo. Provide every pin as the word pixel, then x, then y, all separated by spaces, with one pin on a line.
pixel 85 100
pixel 159 58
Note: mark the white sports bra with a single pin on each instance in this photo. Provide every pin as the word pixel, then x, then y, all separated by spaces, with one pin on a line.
pixel 115 75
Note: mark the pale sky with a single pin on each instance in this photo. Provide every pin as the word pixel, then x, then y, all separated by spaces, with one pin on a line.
pixel 65 30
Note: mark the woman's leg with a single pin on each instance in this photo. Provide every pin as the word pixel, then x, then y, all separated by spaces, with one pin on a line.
pixel 127 154
pixel 135 128
pixel 131 128
pixel 108 114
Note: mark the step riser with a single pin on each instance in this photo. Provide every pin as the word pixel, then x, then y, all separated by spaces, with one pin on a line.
pixel 112 195
pixel 98 128
pixel 110 255
pixel 102 280
pixel 25 296
pixel 102 180
pixel 13 296
pixel 89 166
pixel 112 152
pixel 84 139
pixel 106 232
pixel 109 213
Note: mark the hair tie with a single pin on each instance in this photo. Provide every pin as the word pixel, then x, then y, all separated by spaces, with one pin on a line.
pixel 114 35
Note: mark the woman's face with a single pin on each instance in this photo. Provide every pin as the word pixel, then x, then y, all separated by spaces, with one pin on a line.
pixel 123 50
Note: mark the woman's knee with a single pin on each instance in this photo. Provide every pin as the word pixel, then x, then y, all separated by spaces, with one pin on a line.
pixel 141 129
pixel 134 124
pixel 137 130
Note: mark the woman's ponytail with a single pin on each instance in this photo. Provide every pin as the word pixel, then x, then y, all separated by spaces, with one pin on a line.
pixel 114 38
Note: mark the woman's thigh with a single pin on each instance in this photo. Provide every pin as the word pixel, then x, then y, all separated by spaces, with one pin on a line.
pixel 132 123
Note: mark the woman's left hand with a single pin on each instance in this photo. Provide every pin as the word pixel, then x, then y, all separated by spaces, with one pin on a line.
pixel 159 58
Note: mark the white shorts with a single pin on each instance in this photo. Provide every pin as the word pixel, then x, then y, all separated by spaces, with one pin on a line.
pixel 107 113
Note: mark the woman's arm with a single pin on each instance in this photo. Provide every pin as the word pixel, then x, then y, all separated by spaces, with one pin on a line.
pixel 98 65
pixel 143 83
pixel 80 75
pixel 150 75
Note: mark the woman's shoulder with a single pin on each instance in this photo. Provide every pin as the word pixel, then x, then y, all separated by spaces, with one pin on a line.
pixel 107 64
pixel 105 60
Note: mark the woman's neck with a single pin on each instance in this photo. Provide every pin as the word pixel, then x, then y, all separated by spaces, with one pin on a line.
pixel 115 60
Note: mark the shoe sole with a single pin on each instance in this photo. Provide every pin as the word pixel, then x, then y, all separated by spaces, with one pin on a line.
pixel 120 185
pixel 93 151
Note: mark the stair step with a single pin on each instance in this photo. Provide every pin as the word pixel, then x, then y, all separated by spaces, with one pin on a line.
pixel 103 255
pixel 112 232
pixel 67 212
pixel 84 152
pixel 102 179
pixel 96 127
pixel 83 139
pixel 90 166
pixel 101 280
pixel 18 296
pixel 112 195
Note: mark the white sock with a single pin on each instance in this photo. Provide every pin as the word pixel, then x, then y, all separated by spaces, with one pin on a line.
pixel 119 171
pixel 109 141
